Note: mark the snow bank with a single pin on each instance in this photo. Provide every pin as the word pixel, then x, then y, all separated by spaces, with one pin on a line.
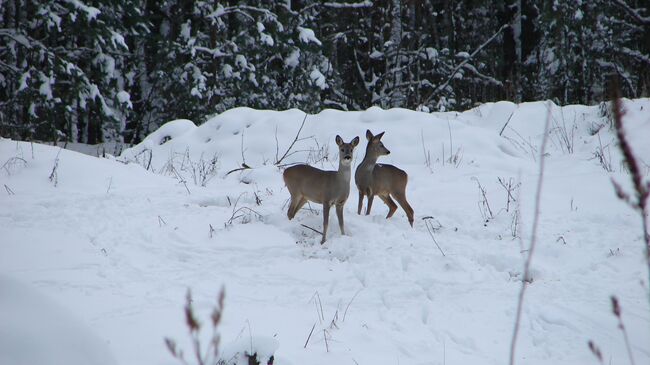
pixel 260 137
pixel 34 330
pixel 118 241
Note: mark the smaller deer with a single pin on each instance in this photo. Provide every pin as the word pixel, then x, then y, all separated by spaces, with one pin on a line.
pixel 386 181
pixel 307 183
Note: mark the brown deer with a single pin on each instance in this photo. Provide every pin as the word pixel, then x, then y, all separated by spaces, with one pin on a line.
pixel 306 183
pixel 386 181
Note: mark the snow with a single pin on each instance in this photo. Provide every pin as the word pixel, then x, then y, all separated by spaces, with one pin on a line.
pixel 264 38
pixel 24 78
pixel 51 335
pixel 118 40
pixel 318 79
pixel 376 55
pixel 227 70
pixel 124 98
pixel 240 61
pixel 307 35
pixel 186 30
pixel 293 59
pixel 91 12
pixel 116 246
pixel 46 85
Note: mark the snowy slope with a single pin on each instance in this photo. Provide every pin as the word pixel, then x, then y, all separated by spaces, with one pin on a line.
pixel 118 245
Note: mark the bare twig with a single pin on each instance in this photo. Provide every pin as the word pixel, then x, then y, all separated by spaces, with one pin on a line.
pixel 507 122
pixel 243 158
pixel 633 13
pixel 11 163
pixel 54 177
pixel 279 161
pixel 483 203
pixel 430 229
pixel 427 153
pixel 533 239
pixel 509 187
pixel 9 191
pixel 616 309
pixel 596 351
pixel 605 160
pixel 641 188
pixel 242 209
pixel 313 229
pixel 463 63
pixel 211 354
pixel 327 347
pixel 308 337
pixel 349 303
pixel 319 306
pixel 243 167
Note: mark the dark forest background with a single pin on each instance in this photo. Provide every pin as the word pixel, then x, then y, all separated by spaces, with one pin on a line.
pixel 112 70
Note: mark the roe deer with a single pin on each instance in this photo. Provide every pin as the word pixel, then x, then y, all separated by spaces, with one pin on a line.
pixel 380 179
pixel 306 183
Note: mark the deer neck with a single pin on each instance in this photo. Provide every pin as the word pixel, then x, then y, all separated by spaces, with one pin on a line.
pixel 369 162
pixel 344 171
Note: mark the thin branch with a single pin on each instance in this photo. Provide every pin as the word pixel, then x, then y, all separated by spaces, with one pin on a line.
pixel 430 230
pixel 507 122
pixel 642 190
pixel 327 347
pixel 462 64
pixel 294 141
pixel 533 239
pixel 644 20
pixel 243 167
pixel 350 302
pixel 308 337
pixel 9 191
pixel 313 229
pixel 616 309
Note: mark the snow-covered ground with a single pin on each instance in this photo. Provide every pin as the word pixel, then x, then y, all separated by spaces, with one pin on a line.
pixel 116 246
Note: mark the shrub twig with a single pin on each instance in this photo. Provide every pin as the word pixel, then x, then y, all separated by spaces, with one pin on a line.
pixel 286 153
pixel 211 354
pixel 430 229
pixel 9 191
pixel 313 229
pixel 641 188
pixel 308 337
pixel 616 309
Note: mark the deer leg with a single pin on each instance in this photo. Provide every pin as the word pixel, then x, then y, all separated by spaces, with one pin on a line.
pixel 392 207
pixel 295 205
pixel 326 218
pixel 360 202
pixel 339 215
pixel 401 199
pixel 300 204
pixel 291 212
pixel 370 199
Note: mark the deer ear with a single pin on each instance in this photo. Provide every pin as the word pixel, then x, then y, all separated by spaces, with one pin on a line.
pixel 339 140
pixel 378 137
pixel 368 134
pixel 355 141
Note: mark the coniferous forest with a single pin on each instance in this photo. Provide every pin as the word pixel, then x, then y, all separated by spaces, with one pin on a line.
pixel 114 70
